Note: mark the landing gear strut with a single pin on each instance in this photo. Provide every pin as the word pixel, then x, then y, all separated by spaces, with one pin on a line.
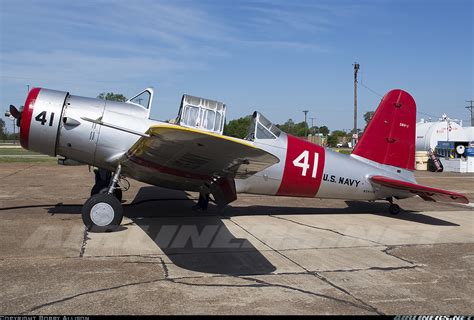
pixel 102 182
pixel 103 211
pixel 393 208
pixel 203 202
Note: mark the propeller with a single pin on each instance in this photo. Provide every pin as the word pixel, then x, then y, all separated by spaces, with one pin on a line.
pixel 16 114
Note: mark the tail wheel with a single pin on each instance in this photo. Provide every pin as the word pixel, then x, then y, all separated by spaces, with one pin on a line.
pixel 102 212
pixel 394 209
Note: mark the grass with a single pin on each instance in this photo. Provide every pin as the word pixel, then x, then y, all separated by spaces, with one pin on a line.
pixel 28 160
pixel 342 150
pixel 16 151
pixel 14 155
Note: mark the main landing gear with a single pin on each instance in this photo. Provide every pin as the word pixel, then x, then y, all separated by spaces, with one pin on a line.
pixel 103 210
pixel 202 203
pixel 102 182
pixel 394 209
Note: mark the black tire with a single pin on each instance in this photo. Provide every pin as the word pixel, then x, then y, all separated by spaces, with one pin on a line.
pixel 394 209
pixel 117 193
pixel 107 216
pixel 97 188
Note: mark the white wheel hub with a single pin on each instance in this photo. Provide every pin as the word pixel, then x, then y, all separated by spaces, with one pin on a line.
pixel 102 214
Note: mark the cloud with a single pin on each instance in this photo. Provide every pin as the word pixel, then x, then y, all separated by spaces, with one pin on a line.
pixel 91 46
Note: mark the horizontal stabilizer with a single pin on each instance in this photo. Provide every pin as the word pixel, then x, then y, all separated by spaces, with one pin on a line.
pixel 426 193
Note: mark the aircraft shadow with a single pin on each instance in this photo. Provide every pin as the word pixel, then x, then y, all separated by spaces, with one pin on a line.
pixel 158 202
pixel 193 241
pixel 202 241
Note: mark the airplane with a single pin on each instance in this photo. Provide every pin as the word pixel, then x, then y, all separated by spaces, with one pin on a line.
pixel 192 154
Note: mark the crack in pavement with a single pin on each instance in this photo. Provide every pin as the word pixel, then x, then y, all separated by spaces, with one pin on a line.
pixel 165 267
pixel 324 279
pixel 263 284
pixel 165 279
pixel 364 305
pixel 371 268
pixel 390 248
pixel 84 242
pixel 18 171
pixel 386 250
pixel 258 283
pixel 325 229
pixel 47 304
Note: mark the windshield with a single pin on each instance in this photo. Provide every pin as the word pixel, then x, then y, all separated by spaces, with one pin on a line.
pixel 262 128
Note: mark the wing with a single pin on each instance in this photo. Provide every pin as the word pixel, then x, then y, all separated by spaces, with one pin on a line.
pixel 183 158
pixel 426 193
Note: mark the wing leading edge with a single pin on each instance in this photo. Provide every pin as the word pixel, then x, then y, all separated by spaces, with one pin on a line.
pixel 184 158
pixel 426 193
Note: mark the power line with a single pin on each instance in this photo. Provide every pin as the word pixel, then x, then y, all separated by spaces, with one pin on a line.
pixel 366 87
pixel 381 95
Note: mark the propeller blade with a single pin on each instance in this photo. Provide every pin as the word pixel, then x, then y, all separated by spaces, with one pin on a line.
pixel 14 112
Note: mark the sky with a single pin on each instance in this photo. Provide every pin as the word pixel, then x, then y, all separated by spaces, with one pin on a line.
pixel 277 57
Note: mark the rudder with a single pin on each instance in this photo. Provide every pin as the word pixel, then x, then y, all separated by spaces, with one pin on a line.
pixel 390 135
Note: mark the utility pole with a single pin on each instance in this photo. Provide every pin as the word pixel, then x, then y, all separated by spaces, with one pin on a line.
pixel 355 136
pixel 470 110
pixel 312 124
pixel 305 123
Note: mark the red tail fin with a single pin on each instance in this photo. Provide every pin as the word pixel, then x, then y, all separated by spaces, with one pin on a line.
pixel 390 136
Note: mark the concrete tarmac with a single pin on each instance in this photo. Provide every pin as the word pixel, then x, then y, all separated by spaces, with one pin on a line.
pixel 262 255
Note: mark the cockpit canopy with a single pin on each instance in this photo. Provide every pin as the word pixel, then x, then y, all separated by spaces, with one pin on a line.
pixel 262 128
pixel 203 114
pixel 143 99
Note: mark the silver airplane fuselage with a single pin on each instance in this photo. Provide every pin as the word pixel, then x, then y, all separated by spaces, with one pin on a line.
pixel 58 125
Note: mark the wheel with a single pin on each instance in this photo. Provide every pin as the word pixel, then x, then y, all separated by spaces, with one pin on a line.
pixel 102 212
pixel 394 209
pixel 117 193
pixel 96 189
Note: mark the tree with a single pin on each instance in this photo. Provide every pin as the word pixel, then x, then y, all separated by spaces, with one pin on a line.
pixel 238 128
pixel 324 130
pixel 367 117
pixel 335 136
pixel 332 140
pixel 2 130
pixel 296 129
pixel 338 133
pixel 287 126
pixel 112 96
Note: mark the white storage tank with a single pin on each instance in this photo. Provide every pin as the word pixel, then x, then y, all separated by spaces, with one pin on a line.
pixel 429 133
pixel 469 133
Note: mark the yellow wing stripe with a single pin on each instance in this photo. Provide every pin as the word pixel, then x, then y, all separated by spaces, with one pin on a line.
pixel 157 129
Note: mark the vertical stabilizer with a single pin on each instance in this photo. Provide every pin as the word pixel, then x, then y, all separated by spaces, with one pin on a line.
pixel 390 136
